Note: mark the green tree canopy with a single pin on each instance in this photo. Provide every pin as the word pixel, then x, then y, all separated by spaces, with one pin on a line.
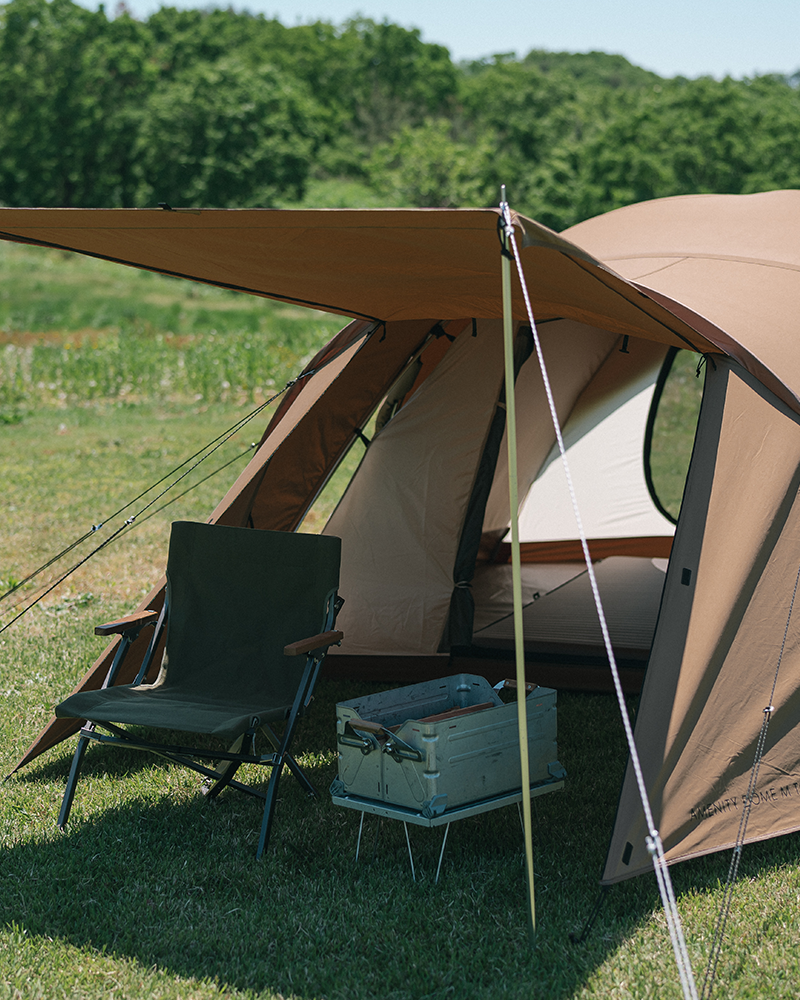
pixel 215 107
pixel 225 134
pixel 72 83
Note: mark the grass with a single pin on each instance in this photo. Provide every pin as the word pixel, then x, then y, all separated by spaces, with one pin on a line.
pixel 74 330
pixel 154 891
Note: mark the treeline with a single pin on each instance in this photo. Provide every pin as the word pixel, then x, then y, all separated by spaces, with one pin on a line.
pixel 217 108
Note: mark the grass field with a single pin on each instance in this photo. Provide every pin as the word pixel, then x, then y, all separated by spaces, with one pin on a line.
pixel 154 891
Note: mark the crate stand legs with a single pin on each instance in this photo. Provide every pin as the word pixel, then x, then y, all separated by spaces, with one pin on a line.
pixel 434 813
pixel 408 845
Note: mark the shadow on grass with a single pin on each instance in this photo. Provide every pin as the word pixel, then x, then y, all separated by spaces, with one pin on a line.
pixel 178 886
pixel 164 877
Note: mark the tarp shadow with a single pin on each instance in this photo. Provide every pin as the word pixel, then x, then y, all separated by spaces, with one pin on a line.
pixel 176 885
pixel 152 872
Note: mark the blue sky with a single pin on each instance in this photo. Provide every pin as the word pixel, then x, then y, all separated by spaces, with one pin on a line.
pixel 689 37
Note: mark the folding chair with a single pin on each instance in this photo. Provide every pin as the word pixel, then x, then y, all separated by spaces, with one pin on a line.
pixel 242 607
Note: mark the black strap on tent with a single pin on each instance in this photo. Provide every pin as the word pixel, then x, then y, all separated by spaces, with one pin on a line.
pixel 439 331
pixel 736 857
pixel 705 359
pixel 661 381
pixel 462 604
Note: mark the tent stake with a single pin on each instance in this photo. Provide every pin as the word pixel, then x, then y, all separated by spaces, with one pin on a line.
pixel 513 502
pixel 590 920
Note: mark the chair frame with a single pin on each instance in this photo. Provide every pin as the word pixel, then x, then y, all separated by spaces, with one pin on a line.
pixel 128 628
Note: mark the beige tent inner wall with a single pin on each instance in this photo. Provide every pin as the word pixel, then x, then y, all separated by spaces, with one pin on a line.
pixel 401 518
pixel 593 380
pixel 727 597
pixel 604 438
pixel 573 354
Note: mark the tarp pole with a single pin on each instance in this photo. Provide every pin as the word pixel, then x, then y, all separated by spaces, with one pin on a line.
pixel 516 579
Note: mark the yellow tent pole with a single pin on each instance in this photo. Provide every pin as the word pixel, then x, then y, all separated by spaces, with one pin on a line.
pixel 513 499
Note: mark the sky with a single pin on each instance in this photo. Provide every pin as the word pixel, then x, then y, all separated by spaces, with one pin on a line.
pixel 681 37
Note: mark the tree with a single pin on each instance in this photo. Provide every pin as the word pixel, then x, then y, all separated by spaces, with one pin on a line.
pixel 693 136
pixel 427 166
pixel 71 84
pixel 225 134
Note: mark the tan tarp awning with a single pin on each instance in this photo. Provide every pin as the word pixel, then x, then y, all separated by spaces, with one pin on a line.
pixel 389 265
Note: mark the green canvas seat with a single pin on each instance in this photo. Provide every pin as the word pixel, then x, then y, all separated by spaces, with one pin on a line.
pixel 249 616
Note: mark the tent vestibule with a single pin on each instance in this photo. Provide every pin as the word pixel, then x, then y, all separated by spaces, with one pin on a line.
pixel 718 275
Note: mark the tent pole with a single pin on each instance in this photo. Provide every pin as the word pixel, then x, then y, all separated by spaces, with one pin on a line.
pixel 511 436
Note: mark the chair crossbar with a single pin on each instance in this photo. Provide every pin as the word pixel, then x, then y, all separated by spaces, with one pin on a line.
pixel 121 737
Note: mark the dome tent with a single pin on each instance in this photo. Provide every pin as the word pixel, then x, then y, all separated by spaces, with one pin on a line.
pixel 719 275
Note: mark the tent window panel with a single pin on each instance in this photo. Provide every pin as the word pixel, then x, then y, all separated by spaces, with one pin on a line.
pixel 671 429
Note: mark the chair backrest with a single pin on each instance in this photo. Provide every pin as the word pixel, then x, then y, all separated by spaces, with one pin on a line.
pixel 236 597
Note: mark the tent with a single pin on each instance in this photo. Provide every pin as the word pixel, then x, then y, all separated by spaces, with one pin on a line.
pixel 715 274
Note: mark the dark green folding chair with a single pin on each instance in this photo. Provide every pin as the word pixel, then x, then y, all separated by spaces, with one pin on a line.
pixel 249 617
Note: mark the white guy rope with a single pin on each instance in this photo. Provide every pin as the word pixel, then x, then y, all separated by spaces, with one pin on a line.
pixel 654 845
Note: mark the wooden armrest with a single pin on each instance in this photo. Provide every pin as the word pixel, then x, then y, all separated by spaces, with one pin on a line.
pixel 313 642
pixel 122 625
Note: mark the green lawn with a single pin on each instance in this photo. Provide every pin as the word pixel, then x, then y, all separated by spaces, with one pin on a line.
pixel 154 891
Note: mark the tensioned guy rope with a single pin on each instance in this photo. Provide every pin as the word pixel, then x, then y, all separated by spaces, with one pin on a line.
pixel 201 455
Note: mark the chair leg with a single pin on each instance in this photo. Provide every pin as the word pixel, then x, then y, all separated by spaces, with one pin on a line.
pixel 282 756
pixel 291 763
pixel 72 780
pixel 298 772
pixel 226 772
pixel 269 808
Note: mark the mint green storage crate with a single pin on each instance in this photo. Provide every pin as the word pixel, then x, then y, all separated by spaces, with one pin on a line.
pixel 440 750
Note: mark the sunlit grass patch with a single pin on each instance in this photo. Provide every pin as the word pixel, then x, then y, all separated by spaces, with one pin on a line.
pixel 75 330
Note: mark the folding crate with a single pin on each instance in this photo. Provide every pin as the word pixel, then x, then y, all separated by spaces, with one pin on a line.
pixel 442 750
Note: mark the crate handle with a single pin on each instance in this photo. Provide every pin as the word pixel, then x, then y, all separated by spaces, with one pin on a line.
pixel 360 734
pixel 400 750
pixel 510 683
pixel 369 736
